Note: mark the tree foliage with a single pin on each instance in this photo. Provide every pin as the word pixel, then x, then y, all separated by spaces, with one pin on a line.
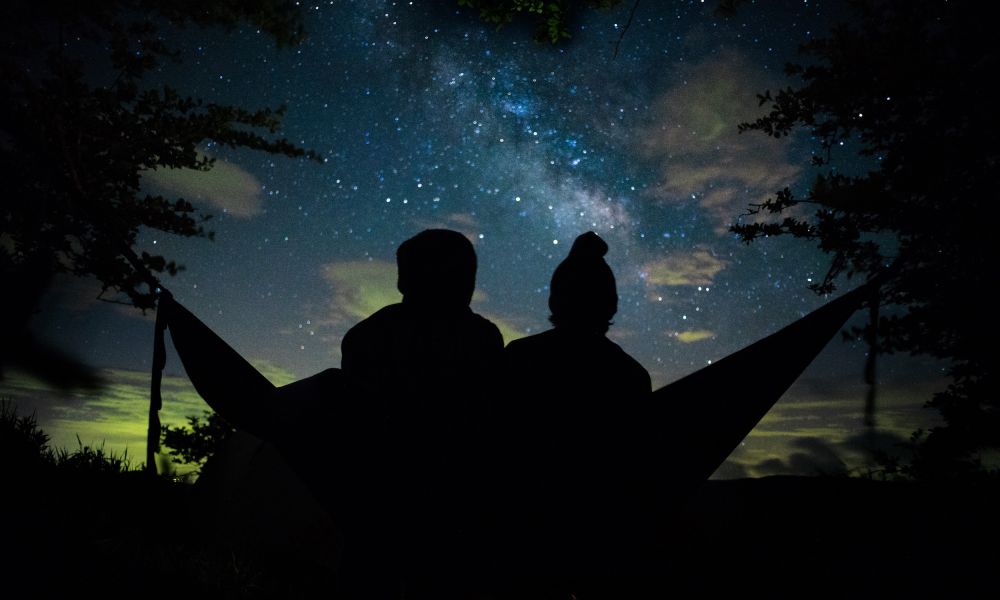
pixel 551 18
pixel 79 126
pixel 896 94
pixel 196 443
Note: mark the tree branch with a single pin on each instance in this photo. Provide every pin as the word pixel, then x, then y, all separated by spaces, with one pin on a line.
pixel 628 24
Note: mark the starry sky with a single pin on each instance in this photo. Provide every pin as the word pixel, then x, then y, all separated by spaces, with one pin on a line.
pixel 426 117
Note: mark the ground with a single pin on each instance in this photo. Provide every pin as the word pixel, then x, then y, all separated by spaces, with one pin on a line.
pixel 775 536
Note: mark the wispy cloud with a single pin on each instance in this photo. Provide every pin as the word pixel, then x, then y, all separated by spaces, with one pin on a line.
pixel 693 140
pixel 226 186
pixel 689 267
pixel 694 335
pixel 359 288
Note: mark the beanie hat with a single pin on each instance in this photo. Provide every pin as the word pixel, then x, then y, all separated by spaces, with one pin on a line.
pixel 583 292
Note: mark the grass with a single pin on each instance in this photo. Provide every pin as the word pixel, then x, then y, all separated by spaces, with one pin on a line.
pixel 90 521
pixel 94 460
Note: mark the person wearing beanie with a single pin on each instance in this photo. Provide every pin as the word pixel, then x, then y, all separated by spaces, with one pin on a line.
pixel 572 414
pixel 575 360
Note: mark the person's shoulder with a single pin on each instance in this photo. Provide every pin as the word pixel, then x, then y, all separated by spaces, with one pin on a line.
pixel 626 360
pixel 532 343
pixel 528 353
pixel 373 326
pixel 486 328
pixel 613 346
pixel 392 312
pixel 479 320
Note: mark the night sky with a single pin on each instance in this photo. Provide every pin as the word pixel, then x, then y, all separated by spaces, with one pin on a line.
pixel 426 117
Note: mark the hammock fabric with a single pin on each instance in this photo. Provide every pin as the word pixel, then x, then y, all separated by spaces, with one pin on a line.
pixel 230 384
pixel 705 415
pixel 330 437
pixel 332 441
pixel 289 417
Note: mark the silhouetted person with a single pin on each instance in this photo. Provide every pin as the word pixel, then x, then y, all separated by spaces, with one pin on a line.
pixel 421 365
pixel 431 341
pixel 390 444
pixel 573 417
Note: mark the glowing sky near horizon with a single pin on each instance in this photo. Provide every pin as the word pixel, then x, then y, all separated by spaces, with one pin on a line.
pixel 426 117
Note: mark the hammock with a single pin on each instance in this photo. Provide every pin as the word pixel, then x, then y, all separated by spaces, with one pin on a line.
pixel 708 412
pixel 688 430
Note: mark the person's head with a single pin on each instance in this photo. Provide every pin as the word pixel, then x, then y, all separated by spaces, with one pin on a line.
pixel 582 294
pixel 436 268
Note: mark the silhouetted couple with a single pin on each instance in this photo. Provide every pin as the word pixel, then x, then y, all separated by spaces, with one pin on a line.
pixel 514 457
pixel 438 451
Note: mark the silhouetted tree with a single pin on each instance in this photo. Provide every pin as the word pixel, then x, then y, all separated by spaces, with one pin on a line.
pixel 79 126
pixel 907 159
pixel 550 17
pixel 199 441
pixel 24 447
